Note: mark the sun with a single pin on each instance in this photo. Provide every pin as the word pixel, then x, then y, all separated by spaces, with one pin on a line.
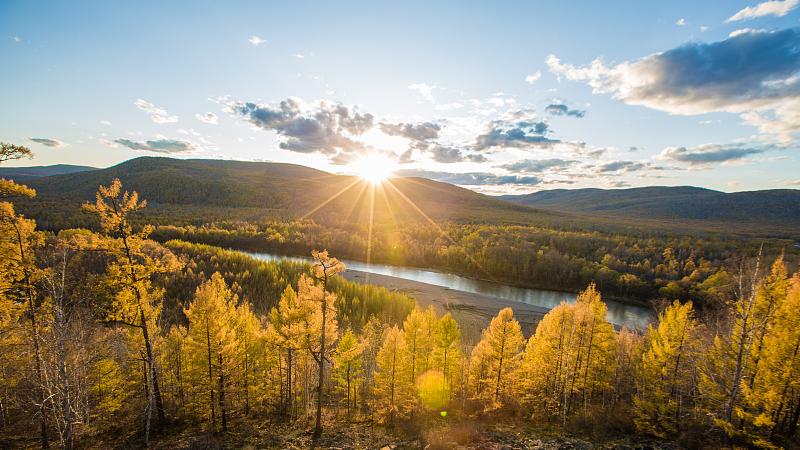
pixel 373 168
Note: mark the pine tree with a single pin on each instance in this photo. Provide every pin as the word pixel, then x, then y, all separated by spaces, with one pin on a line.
pixel 666 380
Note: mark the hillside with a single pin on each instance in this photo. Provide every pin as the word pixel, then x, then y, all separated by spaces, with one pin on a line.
pixel 27 173
pixel 772 209
pixel 198 191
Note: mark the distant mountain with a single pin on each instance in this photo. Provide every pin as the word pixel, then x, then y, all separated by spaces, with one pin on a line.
pixel 26 173
pixel 780 207
pixel 198 190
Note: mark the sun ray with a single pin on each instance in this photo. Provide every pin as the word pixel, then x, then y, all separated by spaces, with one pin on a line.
pixel 440 230
pixel 330 199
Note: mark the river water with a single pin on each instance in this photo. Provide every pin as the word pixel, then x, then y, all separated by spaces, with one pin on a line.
pixel 619 313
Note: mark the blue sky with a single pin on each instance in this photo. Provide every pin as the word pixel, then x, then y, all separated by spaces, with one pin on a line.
pixel 496 96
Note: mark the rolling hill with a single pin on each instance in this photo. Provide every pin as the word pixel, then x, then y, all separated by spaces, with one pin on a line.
pixel 671 203
pixel 27 173
pixel 197 191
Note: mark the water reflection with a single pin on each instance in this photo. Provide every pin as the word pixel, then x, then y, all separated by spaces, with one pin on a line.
pixel 618 313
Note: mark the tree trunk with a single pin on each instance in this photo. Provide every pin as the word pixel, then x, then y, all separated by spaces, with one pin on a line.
pixel 210 378
pixel 222 410
pixel 318 425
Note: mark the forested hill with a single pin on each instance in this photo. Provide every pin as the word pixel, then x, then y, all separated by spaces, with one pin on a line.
pixel 197 191
pixel 180 190
pixel 777 206
pixel 27 173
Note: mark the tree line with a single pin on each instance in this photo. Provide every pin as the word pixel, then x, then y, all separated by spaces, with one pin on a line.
pixel 700 269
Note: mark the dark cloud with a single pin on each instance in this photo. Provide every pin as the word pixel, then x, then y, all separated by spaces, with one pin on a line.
pixel 518 130
pixel 751 73
pixel 47 142
pixel 560 109
pixel 471 178
pixel 537 165
pixel 709 153
pixel 622 166
pixel 158 145
pixel 326 128
pixel 424 131
pixel 444 154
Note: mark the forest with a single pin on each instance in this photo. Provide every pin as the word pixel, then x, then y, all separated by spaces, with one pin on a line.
pixel 623 266
pixel 110 338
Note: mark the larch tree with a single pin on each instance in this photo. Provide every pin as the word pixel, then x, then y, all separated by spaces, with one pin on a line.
pixel 289 324
pixel 18 241
pixel 571 355
pixel 135 260
pixel 324 267
pixel 248 333
pixel 418 330
pixel 728 367
pixel 348 368
pixel 212 343
pixel 667 376
pixel 500 347
pixel 446 355
pixel 393 393
pixel 773 403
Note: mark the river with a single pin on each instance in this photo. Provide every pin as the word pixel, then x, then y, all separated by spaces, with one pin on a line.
pixel 619 313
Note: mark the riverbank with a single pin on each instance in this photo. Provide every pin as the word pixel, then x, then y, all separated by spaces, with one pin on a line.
pixel 472 311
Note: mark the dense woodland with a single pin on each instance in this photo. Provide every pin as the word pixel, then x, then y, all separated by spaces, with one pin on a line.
pixel 112 339
pixel 622 266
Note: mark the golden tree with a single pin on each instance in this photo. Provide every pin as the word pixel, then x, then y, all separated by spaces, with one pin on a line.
pixel 666 380
pixel 499 350
pixel 212 343
pixel 134 260
pixel 325 267
pixel 393 393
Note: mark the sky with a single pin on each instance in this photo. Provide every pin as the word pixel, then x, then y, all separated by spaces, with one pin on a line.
pixel 499 97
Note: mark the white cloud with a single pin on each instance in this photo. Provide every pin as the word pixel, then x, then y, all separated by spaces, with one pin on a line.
pixel 425 90
pixel 209 118
pixel 534 77
pixel 17 39
pixel 255 40
pixel 771 8
pixel 299 56
pixel 157 114
pixel 681 22
pixel 105 122
pixel 704 28
pixel 449 106
pixel 699 78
